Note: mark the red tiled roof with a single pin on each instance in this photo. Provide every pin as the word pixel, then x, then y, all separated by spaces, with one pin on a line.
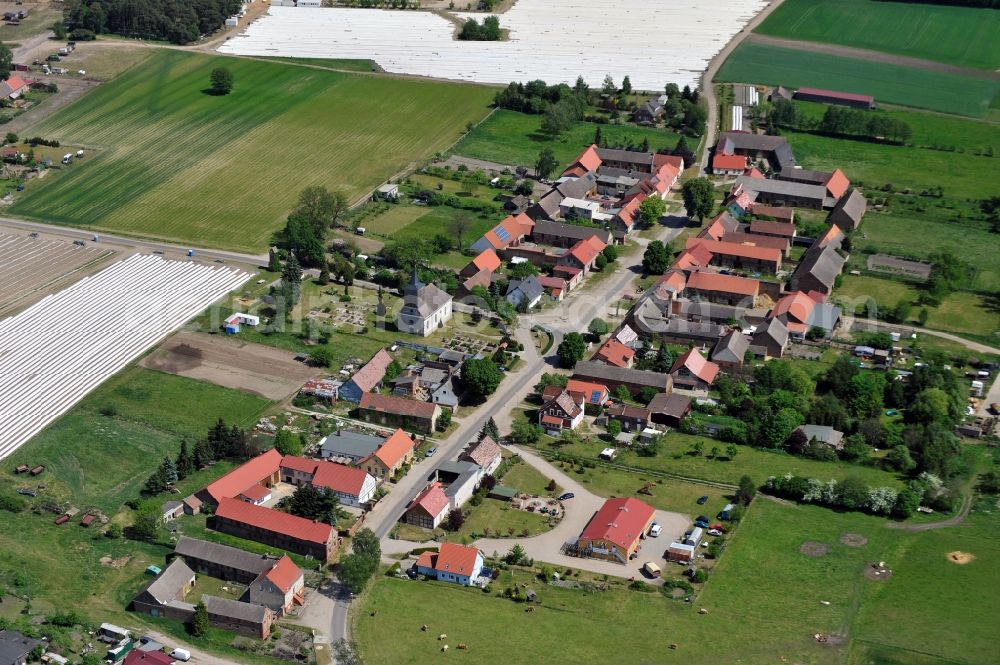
pixel 372 373
pixel 482 278
pixel 838 184
pixel 753 172
pixel 137 657
pixel 773 211
pixel 708 281
pixel 552 420
pixel 552 282
pixel 256 493
pixel 832 235
pixel 619 521
pixel 733 249
pixel 696 364
pixel 487 260
pixel 514 227
pixel 615 353
pixel 456 559
pixel 783 229
pixel 836 95
pixel 394 448
pixel 588 159
pixel 798 306
pixel 675 161
pixel 296 463
pixel 757 240
pixel 339 478
pixel 247 474
pixel 569 270
pixel 432 500
pixel 586 388
pixel 274 521
pixel 630 211
pixel 587 250
pixel 729 162
pixel 284 574
pixel 567 403
pixel 674 280
pixel 398 405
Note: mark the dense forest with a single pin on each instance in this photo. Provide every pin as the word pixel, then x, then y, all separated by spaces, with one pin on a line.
pixel 170 20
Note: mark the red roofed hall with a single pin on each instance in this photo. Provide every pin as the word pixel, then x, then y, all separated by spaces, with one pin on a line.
pixel 614 532
pixel 838 184
pixel 261 470
pixel 739 256
pixel 584 253
pixel 510 231
pixel 353 487
pixel 428 509
pixel 723 289
pixel 588 161
pixel 615 353
pixel 274 528
pixel 795 307
pixel 693 372
pixel 487 260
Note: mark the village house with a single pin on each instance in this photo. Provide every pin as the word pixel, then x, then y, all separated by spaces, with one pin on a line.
pixel 821 433
pixel 487 260
pixel 352 486
pixel 486 453
pixel 279 588
pixel 348 447
pixel 612 377
pixel 734 255
pixel 723 289
pixel 785 193
pixel 615 531
pixel 692 372
pixel 564 411
pixel 429 508
pixel 615 353
pixel 773 229
pixel 277 529
pixel 631 418
pixel 583 255
pixel 802 312
pixel 13 87
pixel 819 268
pixel 458 564
pixel 164 595
pixel 771 213
pixel 390 457
pixel 836 183
pixel 774 149
pixel 238 617
pixel 728 164
pixel 391 411
pixel 426 308
pixel 771 339
pixel 508 233
pixel 367 379
pixel 591 393
pixel 223 562
pixel 525 293
pixel 558 234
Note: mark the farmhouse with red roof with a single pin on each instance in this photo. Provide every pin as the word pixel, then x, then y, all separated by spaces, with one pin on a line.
pixel 261 471
pixel 693 372
pixel 429 508
pixel 458 564
pixel 274 528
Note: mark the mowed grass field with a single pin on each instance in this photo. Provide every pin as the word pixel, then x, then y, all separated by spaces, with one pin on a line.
pixel 956 35
pixel 893 84
pixel 515 139
pixel 172 162
pixel 763 602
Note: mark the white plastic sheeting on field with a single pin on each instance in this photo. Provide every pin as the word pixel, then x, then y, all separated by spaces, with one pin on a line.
pixel 651 41
pixel 64 346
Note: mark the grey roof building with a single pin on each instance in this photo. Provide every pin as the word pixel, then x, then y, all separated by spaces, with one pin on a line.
pixel 818 269
pixel 775 148
pixel 649 318
pixel 771 339
pixel 786 193
pixel 823 434
pixel 353 446
pixel 169 587
pixel 849 210
pixel 566 235
pixel 731 349
pixel 525 292
pixel 15 647
pixel 612 376
pixel 235 609
pixel 425 307
pixel 222 561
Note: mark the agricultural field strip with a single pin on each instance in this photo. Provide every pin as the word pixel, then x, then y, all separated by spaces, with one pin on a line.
pixel 554 40
pixel 27 263
pixel 56 351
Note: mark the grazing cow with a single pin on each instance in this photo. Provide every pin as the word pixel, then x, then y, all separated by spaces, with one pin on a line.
pixel 444 648
pixel 442 636
pixel 461 645
pixel 424 628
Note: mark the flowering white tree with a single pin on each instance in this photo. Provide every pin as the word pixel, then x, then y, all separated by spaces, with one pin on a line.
pixel 881 500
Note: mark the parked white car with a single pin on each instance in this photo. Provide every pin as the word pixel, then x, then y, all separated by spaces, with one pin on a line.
pixel 655 530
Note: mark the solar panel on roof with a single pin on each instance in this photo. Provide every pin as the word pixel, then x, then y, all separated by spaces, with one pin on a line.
pixel 595 396
pixel 502 233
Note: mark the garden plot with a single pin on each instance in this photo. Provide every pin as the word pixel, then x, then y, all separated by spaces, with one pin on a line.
pixel 554 40
pixel 64 346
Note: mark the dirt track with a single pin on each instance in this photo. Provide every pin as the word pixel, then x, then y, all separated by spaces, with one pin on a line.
pixel 262 370
pixel 874 56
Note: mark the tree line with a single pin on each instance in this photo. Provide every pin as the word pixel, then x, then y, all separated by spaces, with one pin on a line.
pixel 841 122
pixel 171 20
pixel 221 442
pixel 487 31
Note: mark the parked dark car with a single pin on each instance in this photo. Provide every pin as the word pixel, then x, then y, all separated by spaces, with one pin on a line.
pixel 566 496
pixel 702 500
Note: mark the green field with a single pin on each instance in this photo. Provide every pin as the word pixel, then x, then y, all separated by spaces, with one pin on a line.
pixel 674 458
pixel 875 164
pixel 763 602
pixel 515 139
pixel 94 460
pixel 894 84
pixel 956 35
pixel 172 162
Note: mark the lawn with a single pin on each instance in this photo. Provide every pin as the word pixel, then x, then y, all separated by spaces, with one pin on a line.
pixel 675 458
pixel 894 84
pixel 182 165
pixel 908 231
pixel 101 452
pixel 413 222
pixel 961 312
pixel 343 64
pixel 874 164
pixel 515 139
pixel 956 35
pixel 763 602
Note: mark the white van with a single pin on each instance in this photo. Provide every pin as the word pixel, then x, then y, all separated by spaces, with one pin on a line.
pixel 655 529
pixel 181 654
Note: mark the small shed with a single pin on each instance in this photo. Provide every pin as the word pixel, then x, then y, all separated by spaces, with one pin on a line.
pixel 88 519
pixel 530 595
pixel 503 493
pixel 388 191
pixel 153 570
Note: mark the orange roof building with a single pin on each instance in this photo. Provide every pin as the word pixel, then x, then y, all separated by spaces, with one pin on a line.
pixel 838 184
pixel 592 393
pixel 428 508
pixel 615 353
pixel 509 232
pixel 723 289
pixel 459 564
pixel 728 164
pixel 692 371
pixel 259 471
pixel 738 255
pixel 587 162
pixel 389 458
